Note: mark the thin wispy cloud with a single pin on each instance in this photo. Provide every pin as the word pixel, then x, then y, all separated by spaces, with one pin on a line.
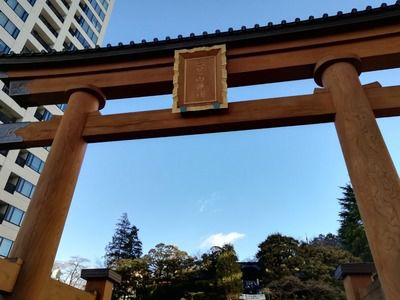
pixel 220 239
pixel 208 204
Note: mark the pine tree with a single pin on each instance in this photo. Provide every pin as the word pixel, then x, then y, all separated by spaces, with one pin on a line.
pixel 351 232
pixel 125 243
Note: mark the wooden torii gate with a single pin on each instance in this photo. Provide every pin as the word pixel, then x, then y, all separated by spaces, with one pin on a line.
pixel 333 50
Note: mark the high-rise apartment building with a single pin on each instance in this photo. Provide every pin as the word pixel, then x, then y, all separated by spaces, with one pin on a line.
pixel 34 26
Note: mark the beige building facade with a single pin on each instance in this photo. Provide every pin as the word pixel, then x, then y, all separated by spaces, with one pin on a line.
pixel 31 26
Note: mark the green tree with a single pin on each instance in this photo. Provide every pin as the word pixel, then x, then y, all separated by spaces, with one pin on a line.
pixel 167 262
pixel 291 287
pixel 326 240
pixel 124 246
pixel 125 243
pixel 351 231
pixel 294 270
pixel 171 271
pixel 136 275
pixel 228 273
pixel 321 261
pixel 278 256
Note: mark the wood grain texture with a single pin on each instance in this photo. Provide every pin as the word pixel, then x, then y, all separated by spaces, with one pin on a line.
pixel 356 285
pixel 265 63
pixel 373 175
pixel 266 113
pixel 40 234
pixel 56 290
pixel 9 270
pixel 102 287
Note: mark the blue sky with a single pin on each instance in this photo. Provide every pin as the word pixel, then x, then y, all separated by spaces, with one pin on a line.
pixel 194 191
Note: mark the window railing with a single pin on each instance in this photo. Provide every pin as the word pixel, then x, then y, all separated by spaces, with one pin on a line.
pixel 55 11
pixel 49 26
pixel 6 119
pixel 66 4
pixel 10 187
pixel 20 161
pixel 41 40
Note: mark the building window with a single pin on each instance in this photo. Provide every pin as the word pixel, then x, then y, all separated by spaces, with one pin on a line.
pixel 43 114
pixel 18 9
pixel 8 25
pixel 31 2
pixel 5 246
pixel 91 16
pixel 3 47
pixel 34 163
pixel 48 25
pixel 104 3
pixel 66 4
pixel 76 33
pixel 97 9
pixel 54 9
pixel 39 38
pixel 3 210
pixel 26 158
pixel 62 106
pixel 22 186
pixel 14 215
pixel 25 188
pixel 85 26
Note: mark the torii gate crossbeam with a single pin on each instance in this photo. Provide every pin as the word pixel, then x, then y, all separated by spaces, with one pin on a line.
pixel 333 50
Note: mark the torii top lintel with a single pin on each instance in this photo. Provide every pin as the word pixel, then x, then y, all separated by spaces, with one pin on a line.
pixel 262 54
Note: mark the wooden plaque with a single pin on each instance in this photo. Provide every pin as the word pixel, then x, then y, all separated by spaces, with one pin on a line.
pixel 200 79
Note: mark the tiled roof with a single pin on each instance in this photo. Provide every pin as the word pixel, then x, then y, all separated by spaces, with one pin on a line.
pixel 232 37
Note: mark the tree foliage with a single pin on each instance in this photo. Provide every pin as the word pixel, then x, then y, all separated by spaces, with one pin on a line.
pixel 279 256
pixel 167 262
pixel 228 273
pixel 121 254
pixel 320 262
pixel 291 287
pixel 135 274
pixel 351 231
pixel 326 240
pixel 301 270
pixel 125 243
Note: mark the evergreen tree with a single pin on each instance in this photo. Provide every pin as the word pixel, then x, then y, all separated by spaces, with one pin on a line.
pixel 228 273
pixel 351 232
pixel 125 243
pixel 121 254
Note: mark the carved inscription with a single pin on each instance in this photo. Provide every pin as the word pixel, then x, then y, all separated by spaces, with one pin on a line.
pixel 200 84
pixel 200 79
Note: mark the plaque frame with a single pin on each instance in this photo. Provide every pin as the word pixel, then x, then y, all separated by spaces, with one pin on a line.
pixel 218 99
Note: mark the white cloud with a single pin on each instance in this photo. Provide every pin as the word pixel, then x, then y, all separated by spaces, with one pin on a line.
pixel 221 239
pixel 207 204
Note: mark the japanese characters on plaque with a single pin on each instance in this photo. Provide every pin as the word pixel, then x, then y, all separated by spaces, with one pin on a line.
pixel 200 79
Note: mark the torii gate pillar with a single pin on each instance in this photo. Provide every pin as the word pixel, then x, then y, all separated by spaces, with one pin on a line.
pixel 372 172
pixel 40 235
